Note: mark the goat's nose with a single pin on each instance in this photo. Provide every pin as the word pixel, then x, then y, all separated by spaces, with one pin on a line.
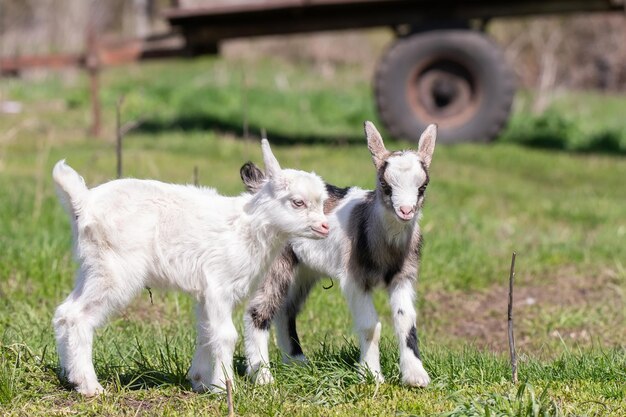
pixel 325 227
pixel 406 210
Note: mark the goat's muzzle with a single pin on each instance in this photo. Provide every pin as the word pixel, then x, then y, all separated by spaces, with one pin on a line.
pixel 405 213
pixel 322 229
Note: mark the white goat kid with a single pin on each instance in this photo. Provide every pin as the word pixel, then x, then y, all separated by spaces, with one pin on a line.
pixel 375 240
pixel 131 234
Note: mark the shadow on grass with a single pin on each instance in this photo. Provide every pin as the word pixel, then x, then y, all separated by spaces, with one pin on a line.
pixel 132 379
pixel 139 379
pixel 346 355
pixel 195 122
pixel 553 131
pixel 143 378
pixel 607 143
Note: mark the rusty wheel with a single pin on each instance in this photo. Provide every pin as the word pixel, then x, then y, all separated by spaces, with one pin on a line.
pixel 455 78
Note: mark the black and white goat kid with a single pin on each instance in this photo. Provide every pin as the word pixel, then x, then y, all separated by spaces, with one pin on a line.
pixel 374 240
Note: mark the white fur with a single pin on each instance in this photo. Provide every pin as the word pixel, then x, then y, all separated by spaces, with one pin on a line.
pixel 404 174
pixel 130 234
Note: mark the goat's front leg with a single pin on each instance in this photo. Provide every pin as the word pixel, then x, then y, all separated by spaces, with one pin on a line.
pixel 219 336
pixel 366 324
pixel 402 300
pixel 256 338
pixel 262 308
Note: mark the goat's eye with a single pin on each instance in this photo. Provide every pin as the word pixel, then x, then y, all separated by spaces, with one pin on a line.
pixel 297 203
pixel 422 190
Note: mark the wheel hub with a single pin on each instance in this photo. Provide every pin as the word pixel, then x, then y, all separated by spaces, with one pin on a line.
pixel 444 92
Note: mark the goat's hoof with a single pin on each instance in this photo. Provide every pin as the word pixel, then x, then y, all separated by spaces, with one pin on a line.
pixel 199 382
pixel 379 378
pixel 90 389
pixel 299 359
pixel 365 371
pixel 416 377
pixel 263 376
pixel 219 387
pixel 199 387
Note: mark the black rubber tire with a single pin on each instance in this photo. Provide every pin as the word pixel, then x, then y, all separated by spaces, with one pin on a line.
pixel 479 67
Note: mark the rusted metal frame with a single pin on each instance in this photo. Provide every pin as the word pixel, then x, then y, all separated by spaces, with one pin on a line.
pixel 213 24
pixel 14 64
pixel 154 46
pixel 509 8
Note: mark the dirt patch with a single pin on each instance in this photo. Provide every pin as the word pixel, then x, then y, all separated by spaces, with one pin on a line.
pixel 562 306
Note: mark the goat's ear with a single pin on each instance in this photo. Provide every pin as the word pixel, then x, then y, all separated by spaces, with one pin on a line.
pixel 426 146
pixel 252 177
pixel 375 144
pixel 272 168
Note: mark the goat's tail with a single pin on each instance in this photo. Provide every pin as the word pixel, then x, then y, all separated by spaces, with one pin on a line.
pixel 252 176
pixel 70 186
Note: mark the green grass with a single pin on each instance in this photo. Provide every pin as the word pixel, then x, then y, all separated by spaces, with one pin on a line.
pixel 562 212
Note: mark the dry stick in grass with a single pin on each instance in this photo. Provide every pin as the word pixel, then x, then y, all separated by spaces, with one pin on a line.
pixel 42 157
pixel 92 64
pixel 510 323
pixel 244 103
pixel 229 398
pixel 119 136
pixel 121 130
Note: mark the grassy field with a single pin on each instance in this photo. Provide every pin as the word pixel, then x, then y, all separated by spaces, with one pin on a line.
pixel 562 209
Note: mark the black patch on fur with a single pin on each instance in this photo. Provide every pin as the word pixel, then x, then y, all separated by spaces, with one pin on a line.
pixel 336 192
pixel 252 176
pixel 291 308
pixel 260 321
pixel 392 271
pixel 361 249
pixel 411 342
pixel 419 247
pixel 335 195
pixel 271 295
pixel 400 312
pixel 425 172
pixel 422 189
pixel 384 186
pixel 296 349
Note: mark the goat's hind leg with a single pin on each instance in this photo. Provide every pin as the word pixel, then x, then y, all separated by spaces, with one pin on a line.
pixel 285 321
pixel 87 307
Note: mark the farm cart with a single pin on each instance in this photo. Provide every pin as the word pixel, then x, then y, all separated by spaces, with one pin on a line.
pixel 441 67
